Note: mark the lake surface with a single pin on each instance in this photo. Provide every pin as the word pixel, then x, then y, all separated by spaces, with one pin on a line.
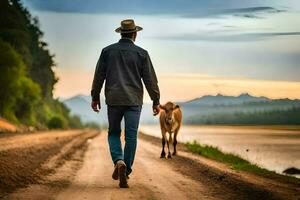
pixel 274 148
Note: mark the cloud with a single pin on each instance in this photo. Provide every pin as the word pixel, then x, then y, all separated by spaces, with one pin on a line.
pixel 230 26
pixel 184 8
pixel 211 36
pixel 254 12
pixel 261 9
pixel 248 16
pixel 247 12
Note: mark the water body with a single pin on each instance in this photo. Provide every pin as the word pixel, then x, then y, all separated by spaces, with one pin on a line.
pixel 273 147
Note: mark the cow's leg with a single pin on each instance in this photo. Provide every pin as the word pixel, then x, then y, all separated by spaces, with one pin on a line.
pixel 175 142
pixel 169 143
pixel 163 142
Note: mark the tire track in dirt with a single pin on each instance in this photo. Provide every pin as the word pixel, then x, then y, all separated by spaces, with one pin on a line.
pixel 25 159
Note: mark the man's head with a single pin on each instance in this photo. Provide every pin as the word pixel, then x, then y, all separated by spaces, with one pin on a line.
pixel 131 35
pixel 128 29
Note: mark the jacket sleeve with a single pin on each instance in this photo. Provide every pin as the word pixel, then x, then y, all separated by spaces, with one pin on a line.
pixel 99 77
pixel 150 80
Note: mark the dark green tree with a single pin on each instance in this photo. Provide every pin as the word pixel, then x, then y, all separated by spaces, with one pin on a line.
pixel 27 78
pixel 18 92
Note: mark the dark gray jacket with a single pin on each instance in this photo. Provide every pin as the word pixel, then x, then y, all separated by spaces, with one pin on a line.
pixel 123 65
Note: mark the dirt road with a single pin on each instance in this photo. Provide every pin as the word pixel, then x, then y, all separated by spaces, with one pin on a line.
pixel 152 179
pixel 183 177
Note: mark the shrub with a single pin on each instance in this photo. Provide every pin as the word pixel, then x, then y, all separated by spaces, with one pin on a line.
pixel 56 123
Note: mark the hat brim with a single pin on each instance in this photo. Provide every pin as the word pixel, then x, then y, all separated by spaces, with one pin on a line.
pixel 137 28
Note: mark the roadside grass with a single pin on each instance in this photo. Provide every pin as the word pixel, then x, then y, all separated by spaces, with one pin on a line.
pixel 236 162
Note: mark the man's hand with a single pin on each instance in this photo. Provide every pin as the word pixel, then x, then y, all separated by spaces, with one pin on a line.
pixel 156 109
pixel 96 106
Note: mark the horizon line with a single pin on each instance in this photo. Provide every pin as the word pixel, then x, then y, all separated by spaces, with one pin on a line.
pixel 214 95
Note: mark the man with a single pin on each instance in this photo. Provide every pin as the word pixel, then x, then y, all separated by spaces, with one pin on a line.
pixel 123 66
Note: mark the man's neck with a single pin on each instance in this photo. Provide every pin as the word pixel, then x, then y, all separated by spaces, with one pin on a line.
pixel 127 39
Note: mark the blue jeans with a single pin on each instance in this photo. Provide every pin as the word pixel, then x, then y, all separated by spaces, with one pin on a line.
pixel 131 115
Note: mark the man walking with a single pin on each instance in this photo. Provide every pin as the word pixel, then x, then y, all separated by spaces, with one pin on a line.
pixel 123 66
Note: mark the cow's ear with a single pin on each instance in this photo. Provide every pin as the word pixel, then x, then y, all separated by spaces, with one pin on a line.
pixel 176 106
pixel 162 107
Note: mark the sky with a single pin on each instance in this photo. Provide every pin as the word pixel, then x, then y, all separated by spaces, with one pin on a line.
pixel 197 47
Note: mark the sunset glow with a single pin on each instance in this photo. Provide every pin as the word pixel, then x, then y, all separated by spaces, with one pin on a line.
pixel 177 87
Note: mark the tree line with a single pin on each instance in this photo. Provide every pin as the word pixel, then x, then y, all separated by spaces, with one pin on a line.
pixel 289 116
pixel 27 78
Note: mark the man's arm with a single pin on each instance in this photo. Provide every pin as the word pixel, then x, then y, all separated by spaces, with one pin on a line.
pixel 99 77
pixel 150 81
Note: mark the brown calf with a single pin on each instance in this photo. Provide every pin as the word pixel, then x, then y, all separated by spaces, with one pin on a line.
pixel 170 121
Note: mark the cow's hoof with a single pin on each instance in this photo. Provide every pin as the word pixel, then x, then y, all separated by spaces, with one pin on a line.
pixel 169 155
pixel 174 153
pixel 162 155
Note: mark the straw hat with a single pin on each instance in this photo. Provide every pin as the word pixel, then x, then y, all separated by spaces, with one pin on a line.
pixel 128 26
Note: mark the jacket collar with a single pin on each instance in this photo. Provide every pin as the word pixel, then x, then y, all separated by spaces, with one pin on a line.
pixel 126 40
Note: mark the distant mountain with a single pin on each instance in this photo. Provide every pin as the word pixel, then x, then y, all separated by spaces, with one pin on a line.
pixel 206 106
pixel 81 105
pixel 227 106
pixel 226 100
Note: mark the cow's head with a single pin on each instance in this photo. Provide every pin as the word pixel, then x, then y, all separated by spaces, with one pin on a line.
pixel 169 107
